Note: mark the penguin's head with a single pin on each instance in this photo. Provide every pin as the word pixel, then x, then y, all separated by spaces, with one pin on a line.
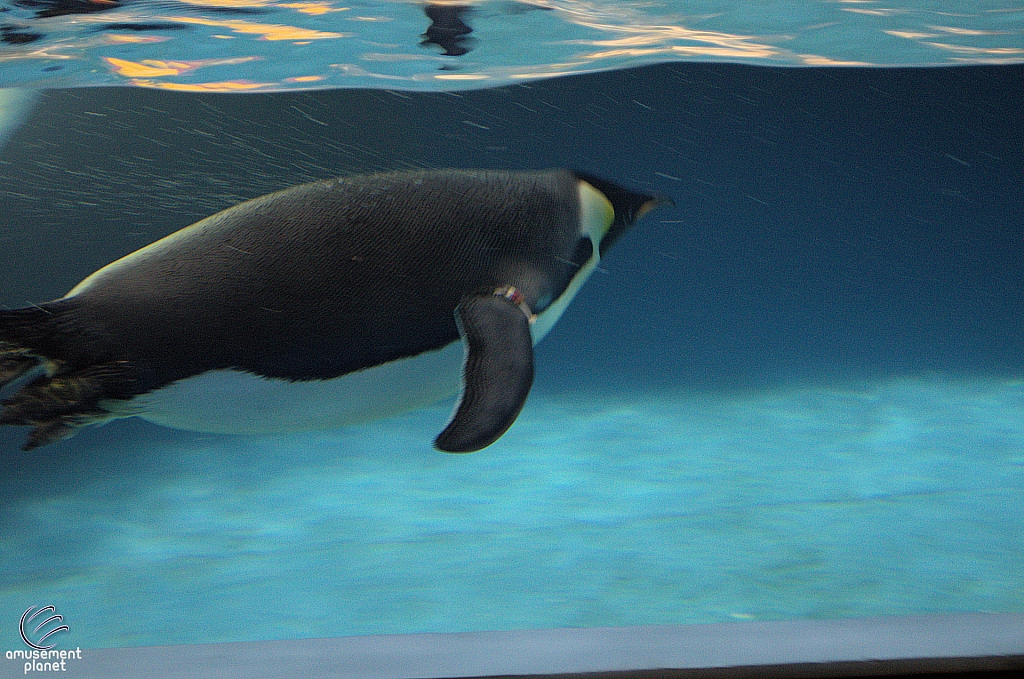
pixel 627 207
pixel 606 211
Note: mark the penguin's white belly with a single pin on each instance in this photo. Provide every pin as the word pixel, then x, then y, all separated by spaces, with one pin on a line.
pixel 231 402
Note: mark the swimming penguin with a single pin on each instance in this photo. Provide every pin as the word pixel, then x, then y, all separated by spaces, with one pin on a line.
pixel 321 305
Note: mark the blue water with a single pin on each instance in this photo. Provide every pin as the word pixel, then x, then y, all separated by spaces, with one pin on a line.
pixel 798 394
pixel 600 509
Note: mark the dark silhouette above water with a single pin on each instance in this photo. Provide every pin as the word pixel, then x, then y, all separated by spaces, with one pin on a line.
pixel 448 31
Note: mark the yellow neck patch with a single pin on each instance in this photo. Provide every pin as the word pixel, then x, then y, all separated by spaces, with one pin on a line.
pixel 596 213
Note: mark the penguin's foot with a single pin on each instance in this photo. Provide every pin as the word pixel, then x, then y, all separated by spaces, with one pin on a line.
pixel 14 363
pixel 57 406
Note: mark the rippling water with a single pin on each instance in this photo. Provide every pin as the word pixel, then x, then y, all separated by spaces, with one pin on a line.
pixel 261 45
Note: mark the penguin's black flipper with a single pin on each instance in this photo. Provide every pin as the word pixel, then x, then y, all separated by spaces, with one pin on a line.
pixel 497 374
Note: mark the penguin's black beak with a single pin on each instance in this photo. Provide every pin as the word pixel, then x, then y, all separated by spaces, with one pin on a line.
pixel 651 203
pixel 629 208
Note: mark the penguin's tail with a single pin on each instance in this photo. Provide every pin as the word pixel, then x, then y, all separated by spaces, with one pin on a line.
pixel 66 392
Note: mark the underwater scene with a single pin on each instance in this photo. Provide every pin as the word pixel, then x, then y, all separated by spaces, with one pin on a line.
pixel 789 384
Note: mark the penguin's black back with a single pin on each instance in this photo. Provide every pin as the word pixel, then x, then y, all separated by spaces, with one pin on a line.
pixel 331 277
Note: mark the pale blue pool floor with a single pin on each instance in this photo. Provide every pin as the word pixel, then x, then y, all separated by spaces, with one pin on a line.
pixel 894 497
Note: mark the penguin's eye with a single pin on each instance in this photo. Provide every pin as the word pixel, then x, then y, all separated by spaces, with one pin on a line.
pixel 584 251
